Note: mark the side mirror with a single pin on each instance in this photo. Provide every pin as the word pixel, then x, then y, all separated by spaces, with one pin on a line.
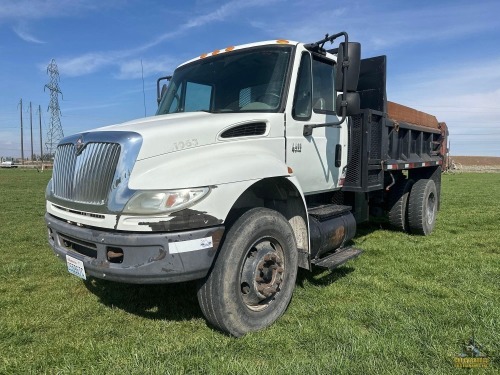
pixel 163 91
pixel 351 70
pixel 350 101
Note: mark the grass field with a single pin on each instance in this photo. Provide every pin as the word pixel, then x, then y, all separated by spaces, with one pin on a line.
pixel 407 305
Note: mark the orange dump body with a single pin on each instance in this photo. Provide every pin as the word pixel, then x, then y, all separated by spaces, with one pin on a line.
pixel 401 113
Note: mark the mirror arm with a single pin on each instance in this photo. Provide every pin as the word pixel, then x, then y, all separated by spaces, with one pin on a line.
pixel 308 129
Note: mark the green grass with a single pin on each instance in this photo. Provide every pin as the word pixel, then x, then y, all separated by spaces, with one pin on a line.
pixel 405 306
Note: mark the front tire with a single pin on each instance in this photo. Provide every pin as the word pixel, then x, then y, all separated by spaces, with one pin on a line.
pixel 252 280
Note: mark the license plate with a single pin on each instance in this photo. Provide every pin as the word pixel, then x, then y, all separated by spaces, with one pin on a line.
pixel 75 267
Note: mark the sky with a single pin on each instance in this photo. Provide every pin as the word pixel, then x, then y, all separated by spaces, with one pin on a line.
pixel 443 56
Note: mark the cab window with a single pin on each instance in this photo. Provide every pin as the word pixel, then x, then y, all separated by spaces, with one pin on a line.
pixel 198 97
pixel 302 99
pixel 323 85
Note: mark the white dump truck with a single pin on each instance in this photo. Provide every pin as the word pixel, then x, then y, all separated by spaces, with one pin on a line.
pixel 261 158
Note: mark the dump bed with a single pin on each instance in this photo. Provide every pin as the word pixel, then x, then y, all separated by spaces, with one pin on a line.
pixel 403 114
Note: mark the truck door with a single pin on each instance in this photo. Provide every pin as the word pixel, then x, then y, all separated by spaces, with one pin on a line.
pixel 316 160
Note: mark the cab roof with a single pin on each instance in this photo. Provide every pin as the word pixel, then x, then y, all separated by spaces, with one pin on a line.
pixel 240 47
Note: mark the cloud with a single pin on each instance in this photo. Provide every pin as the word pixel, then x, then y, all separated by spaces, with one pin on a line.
pixel 22 33
pixel 450 80
pixel 40 9
pixel 219 14
pixel 429 24
pixel 467 99
pixel 132 69
pixel 87 108
pixel 129 66
pixel 84 64
pixel 382 26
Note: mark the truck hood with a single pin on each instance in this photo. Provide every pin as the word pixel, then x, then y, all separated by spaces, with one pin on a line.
pixel 181 131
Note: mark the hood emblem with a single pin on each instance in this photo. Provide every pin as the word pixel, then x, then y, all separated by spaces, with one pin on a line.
pixel 79 145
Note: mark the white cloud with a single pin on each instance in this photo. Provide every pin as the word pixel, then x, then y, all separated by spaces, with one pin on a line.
pixel 219 14
pixel 451 80
pixel 22 33
pixel 130 68
pixel 40 9
pixel 89 107
pixel 84 64
pixel 380 26
pixel 464 97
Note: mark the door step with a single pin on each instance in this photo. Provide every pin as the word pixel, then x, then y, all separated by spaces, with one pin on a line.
pixel 338 258
pixel 328 211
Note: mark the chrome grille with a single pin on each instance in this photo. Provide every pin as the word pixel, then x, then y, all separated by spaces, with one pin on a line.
pixel 87 177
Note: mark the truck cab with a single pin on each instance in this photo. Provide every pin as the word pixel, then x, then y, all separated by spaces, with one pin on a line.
pixel 283 82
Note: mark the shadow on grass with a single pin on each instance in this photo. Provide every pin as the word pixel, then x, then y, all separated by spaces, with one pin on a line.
pixel 322 277
pixel 176 302
pixel 374 224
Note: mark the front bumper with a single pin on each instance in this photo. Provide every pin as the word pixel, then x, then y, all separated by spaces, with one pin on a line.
pixel 141 258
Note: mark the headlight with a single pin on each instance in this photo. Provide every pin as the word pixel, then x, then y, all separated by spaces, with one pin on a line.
pixel 157 202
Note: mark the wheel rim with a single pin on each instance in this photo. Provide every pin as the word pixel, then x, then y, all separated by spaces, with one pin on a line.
pixel 431 209
pixel 262 273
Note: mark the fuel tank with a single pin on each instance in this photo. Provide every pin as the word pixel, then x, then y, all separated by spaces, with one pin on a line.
pixel 331 227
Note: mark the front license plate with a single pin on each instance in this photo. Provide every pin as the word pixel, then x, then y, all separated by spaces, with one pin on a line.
pixel 75 267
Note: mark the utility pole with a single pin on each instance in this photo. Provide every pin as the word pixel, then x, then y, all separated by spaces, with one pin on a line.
pixel 40 123
pixel 31 127
pixel 22 145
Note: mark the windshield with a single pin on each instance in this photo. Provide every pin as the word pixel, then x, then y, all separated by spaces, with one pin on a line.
pixel 240 81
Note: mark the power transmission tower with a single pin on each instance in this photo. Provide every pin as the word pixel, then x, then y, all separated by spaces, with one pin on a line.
pixel 55 132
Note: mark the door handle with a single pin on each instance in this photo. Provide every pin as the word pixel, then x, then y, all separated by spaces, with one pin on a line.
pixel 338 156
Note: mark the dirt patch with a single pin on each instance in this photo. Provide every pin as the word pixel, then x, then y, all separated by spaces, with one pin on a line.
pixel 477 160
pixel 475 163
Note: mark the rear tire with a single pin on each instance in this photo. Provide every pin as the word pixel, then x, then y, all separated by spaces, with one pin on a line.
pixel 398 204
pixel 422 207
pixel 253 278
